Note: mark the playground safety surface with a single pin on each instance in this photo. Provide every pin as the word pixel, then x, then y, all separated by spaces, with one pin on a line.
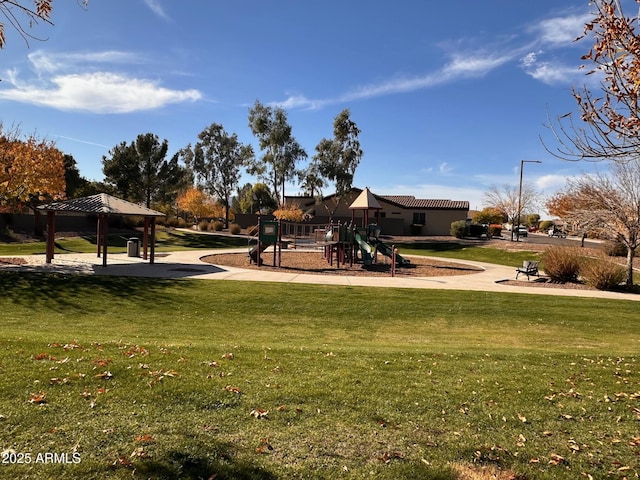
pixel 315 263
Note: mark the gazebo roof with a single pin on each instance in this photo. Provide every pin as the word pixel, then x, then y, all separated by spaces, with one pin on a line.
pixel 365 201
pixel 101 203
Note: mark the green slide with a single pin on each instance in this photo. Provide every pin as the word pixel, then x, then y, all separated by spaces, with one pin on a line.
pixel 365 249
pixel 387 251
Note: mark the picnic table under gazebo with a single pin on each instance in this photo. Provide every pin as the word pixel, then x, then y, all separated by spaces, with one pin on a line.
pixel 104 206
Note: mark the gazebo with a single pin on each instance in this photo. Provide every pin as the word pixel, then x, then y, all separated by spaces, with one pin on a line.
pixel 102 205
pixel 365 201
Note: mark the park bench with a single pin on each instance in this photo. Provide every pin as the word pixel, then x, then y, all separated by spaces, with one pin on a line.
pixel 529 267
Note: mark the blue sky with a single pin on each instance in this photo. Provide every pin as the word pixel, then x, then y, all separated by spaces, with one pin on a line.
pixel 450 96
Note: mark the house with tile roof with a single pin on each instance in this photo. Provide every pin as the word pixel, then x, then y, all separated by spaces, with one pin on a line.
pixel 397 215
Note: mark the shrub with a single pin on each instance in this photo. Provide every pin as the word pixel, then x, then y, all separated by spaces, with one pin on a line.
pixel 615 248
pixel 562 264
pixel 203 225
pixel 235 229
pixel 216 226
pixel 602 273
pixel 459 229
pixel 495 230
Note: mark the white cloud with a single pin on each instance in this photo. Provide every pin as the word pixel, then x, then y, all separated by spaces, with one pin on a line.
pixel 157 8
pixel 460 66
pixel 79 82
pixel 99 92
pixel 552 73
pixel 46 62
pixel 554 33
pixel 562 30
pixel 445 168
pixel 551 182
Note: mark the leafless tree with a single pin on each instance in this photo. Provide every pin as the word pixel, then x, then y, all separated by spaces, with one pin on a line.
pixel 609 126
pixel 609 204
pixel 507 199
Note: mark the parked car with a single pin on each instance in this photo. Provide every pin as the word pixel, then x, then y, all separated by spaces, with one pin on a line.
pixel 522 231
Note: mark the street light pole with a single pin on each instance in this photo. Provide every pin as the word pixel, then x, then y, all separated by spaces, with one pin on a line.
pixel 522 162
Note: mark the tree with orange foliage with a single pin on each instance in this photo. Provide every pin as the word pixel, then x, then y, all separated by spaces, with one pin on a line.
pixel 196 203
pixel 31 170
pixel 289 213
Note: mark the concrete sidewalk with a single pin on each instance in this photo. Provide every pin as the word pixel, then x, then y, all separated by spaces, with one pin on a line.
pixel 187 264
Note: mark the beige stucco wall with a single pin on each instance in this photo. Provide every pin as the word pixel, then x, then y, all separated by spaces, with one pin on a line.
pixel 437 222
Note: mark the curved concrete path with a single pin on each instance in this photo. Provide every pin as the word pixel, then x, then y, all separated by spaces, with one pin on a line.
pixel 187 264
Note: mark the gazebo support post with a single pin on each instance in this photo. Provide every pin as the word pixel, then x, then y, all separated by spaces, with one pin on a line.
pixel 153 240
pixel 145 239
pixel 51 234
pixel 105 236
pixel 99 235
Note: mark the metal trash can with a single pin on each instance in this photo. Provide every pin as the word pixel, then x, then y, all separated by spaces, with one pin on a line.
pixel 133 247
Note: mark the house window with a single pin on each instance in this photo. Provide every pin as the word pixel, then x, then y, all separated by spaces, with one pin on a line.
pixel 383 214
pixel 419 218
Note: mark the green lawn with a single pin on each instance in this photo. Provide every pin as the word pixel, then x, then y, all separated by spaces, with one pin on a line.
pixel 152 378
pixel 166 240
pixel 462 251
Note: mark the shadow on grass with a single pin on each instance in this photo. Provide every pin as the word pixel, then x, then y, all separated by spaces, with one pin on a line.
pixel 435 246
pixel 74 292
pixel 219 462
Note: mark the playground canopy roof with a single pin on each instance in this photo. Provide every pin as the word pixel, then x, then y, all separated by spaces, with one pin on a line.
pixel 365 201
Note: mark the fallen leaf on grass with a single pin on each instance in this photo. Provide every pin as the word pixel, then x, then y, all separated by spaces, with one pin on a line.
pixel 43 356
pixel 139 452
pixel 38 398
pixel 264 447
pixel 106 375
pixel 71 346
pixel 231 389
pixel 58 381
pixel 259 413
pixel 557 459
pixel 101 362
pixel 122 462
pixel 388 456
pixel 145 438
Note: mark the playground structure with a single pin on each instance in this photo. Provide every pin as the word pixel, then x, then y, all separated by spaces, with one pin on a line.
pixel 268 234
pixel 350 244
pixel 346 243
pixel 340 243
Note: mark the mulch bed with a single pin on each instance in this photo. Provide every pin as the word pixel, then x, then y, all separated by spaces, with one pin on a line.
pixel 12 261
pixel 314 263
pixel 547 283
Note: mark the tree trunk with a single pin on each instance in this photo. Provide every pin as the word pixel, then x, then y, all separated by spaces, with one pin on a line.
pixel 630 254
pixel 226 212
